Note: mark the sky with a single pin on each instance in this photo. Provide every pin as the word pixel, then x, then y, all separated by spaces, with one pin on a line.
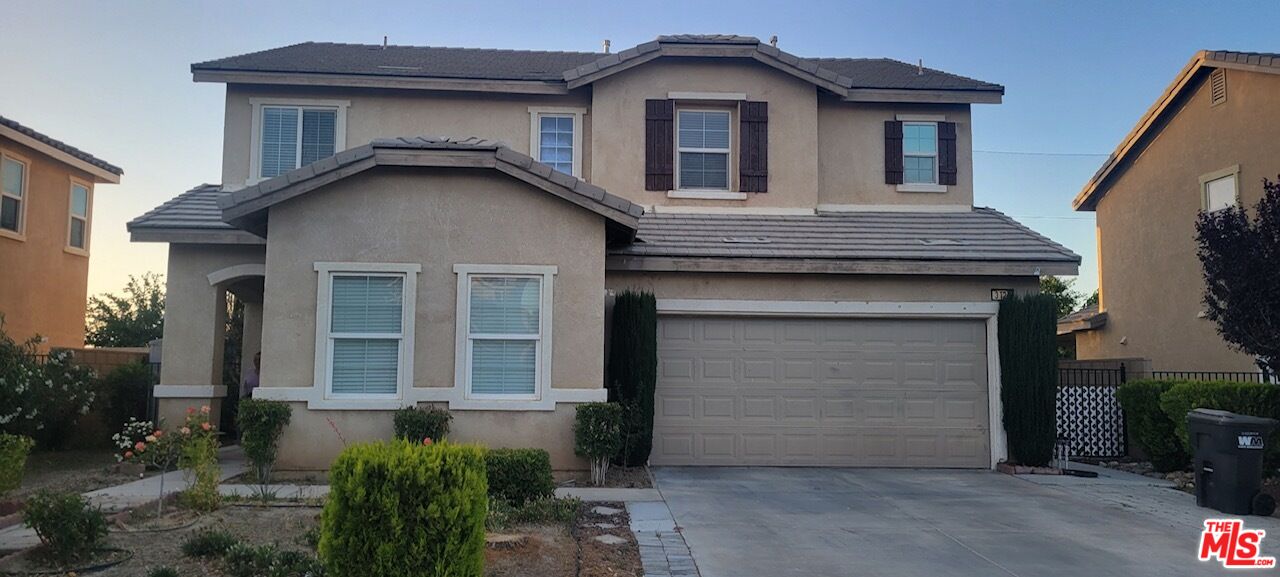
pixel 113 77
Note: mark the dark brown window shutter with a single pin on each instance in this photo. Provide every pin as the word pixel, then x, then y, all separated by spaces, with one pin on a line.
pixel 659 143
pixel 753 161
pixel 892 152
pixel 947 153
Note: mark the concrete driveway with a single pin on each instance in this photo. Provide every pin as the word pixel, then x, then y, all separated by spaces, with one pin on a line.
pixel 742 522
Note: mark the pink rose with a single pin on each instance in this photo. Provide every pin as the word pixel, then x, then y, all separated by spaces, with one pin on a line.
pixel 191 410
pixel 204 410
pixel 205 426
pixel 140 446
pixel 157 433
pixel 128 454
pixel 186 430
pixel 426 440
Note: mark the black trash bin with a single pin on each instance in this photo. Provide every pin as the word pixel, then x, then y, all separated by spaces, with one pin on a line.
pixel 1227 451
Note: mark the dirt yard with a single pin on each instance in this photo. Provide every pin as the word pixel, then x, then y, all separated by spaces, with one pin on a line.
pixel 75 471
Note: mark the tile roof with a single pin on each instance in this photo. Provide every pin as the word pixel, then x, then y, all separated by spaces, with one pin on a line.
pixel 556 67
pixel 1085 319
pixel 194 209
pixel 62 146
pixel 981 235
pixel 1270 59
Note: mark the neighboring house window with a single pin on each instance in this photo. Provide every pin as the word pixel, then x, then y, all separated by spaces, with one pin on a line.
pixel 555 137
pixel 505 319
pixel 1220 193
pixel 920 153
pixel 13 186
pixel 296 136
pixel 365 328
pixel 702 159
pixel 78 231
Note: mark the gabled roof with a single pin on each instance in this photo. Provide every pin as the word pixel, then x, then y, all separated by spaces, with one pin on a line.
pixel 247 208
pixel 192 216
pixel 102 170
pixel 1163 109
pixel 983 241
pixel 546 72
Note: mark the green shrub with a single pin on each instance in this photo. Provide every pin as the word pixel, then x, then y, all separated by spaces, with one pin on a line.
pixel 597 436
pixel 13 460
pixel 1153 430
pixel 163 571
pixel 519 475
pixel 403 509
pixel 268 561
pixel 198 454
pixel 127 390
pixel 68 527
pixel 633 371
pixel 42 400
pixel 261 423
pixel 208 543
pixel 1029 373
pixel 1257 399
pixel 415 424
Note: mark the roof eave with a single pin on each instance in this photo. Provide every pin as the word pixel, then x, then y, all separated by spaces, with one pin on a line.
pixel 992 96
pixel 378 81
pixel 1090 323
pixel 100 175
pixel 190 235
pixel 626 262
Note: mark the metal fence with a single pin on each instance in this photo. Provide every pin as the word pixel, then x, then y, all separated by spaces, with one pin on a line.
pixel 1239 377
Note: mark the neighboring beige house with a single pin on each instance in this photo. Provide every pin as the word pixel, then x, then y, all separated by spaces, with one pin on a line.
pixel 1206 144
pixel 46 215
pixel 825 286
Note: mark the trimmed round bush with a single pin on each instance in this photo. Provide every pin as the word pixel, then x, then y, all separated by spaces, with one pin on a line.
pixel 519 475
pixel 415 424
pixel 1152 429
pixel 400 509
pixel 597 436
pixel 69 529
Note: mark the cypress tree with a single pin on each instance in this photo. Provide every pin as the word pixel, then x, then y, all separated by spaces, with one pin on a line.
pixel 633 371
pixel 1028 371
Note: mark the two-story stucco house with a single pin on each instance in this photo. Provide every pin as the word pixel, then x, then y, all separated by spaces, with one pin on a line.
pixel 824 281
pixel 1206 144
pixel 46 215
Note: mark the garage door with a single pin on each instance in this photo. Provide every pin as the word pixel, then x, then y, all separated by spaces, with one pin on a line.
pixel 824 392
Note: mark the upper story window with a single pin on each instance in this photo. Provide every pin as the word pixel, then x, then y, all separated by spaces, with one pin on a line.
pixel 702 159
pixel 920 153
pixel 365 326
pixel 78 224
pixel 13 188
pixel 1218 189
pixel 291 134
pixel 556 138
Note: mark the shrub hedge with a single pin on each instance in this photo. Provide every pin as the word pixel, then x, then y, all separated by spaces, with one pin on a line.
pixel 1257 399
pixel 519 475
pixel 1029 370
pixel 415 424
pixel 403 509
pixel 1151 428
pixel 633 371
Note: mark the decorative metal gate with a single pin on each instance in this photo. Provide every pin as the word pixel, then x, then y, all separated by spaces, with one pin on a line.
pixel 1089 417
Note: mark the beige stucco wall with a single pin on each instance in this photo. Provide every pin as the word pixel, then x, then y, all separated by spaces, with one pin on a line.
pixel 618 108
pixel 851 153
pixel 43 287
pixel 1151 283
pixel 436 218
pixel 816 287
pixel 376 114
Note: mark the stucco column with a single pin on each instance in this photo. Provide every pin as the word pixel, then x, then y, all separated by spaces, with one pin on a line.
pixel 194 329
pixel 251 341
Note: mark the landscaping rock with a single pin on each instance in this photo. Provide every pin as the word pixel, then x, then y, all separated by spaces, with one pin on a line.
pixel 504 541
pixel 604 525
pixel 610 539
pixel 605 511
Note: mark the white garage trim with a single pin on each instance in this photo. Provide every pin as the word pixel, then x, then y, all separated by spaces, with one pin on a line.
pixel 874 309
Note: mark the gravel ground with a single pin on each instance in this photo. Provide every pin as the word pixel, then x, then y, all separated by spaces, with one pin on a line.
pixel 75 471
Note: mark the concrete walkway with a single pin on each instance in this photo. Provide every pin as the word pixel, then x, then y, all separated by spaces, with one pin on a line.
pixel 745 522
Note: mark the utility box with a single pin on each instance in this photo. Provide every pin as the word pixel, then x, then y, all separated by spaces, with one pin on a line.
pixel 1227 454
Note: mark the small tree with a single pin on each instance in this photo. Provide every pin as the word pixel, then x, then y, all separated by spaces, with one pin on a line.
pixel 1065 298
pixel 1028 371
pixel 1241 263
pixel 261 423
pixel 597 436
pixel 129 320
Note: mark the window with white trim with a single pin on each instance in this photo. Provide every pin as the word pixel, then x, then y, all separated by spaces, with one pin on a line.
pixel 1220 193
pixel 295 136
pixel 13 187
pixel 703 148
pixel 365 333
pixel 504 340
pixel 78 223
pixel 555 141
pixel 919 153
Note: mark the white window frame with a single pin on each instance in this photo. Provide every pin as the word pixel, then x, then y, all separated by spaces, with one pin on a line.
pixel 324 338
pixel 255 145
pixel 462 344
pixel 1231 171
pixel 71 217
pixel 536 113
pixel 934 156
pixel 713 193
pixel 21 233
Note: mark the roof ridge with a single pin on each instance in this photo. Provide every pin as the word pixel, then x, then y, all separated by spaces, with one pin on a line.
pixel 430 46
pixel 78 153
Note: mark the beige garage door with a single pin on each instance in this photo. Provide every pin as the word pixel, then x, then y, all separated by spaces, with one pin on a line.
pixel 834 392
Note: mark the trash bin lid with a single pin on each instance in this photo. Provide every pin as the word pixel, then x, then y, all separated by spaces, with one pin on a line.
pixel 1217 417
